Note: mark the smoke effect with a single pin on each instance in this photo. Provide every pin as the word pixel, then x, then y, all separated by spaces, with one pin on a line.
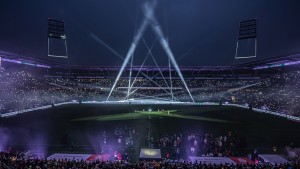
pixel 37 145
pixel 4 139
pixel 292 153
pixel 32 140
pixel 100 147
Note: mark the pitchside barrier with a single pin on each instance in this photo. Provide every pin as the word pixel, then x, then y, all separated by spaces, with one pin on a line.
pixel 221 160
pixel 289 117
pixel 144 156
pixel 272 158
pixel 78 157
pixel 155 154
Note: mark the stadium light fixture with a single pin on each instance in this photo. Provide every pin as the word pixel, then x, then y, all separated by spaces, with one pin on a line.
pixel 56 30
pixel 247 31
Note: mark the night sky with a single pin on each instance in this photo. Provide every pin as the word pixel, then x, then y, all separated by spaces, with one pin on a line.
pixel 199 32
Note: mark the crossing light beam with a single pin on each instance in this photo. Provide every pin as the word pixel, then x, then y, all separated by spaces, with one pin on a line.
pixel 148 10
pixel 164 43
pixel 133 46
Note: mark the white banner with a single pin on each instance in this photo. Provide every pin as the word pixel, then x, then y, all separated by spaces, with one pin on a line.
pixel 76 157
pixel 58 156
pixel 272 158
pixel 212 160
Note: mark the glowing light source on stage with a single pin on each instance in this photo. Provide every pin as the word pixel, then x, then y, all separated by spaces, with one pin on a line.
pixel 150 152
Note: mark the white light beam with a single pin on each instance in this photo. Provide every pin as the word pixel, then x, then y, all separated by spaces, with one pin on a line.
pixel 164 43
pixel 129 53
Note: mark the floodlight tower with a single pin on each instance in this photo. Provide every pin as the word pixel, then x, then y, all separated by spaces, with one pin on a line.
pixel 56 30
pixel 247 31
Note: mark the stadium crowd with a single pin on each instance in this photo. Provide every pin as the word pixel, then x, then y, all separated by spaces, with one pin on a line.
pixel 173 144
pixel 125 136
pixel 11 160
pixel 24 89
pixel 210 146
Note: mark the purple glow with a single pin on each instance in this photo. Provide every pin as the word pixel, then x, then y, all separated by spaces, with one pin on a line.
pixel 25 63
pixel 292 63
pixel 36 146
pixel 43 66
pixel 4 139
pixel 276 65
pixel 100 147
pixel 11 61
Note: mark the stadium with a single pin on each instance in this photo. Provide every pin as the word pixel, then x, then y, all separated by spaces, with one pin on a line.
pixel 146 107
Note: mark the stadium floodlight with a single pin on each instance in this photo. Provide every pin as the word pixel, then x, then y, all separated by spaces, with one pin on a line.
pixel 247 30
pixel 56 30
